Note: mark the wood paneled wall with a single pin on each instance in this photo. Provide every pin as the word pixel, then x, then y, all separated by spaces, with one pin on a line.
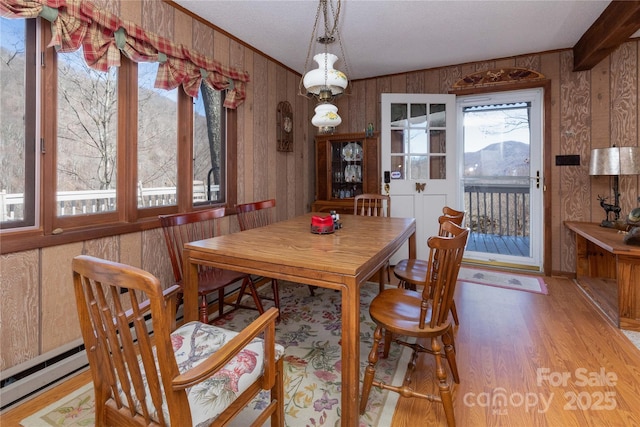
pixel 37 305
pixel 590 109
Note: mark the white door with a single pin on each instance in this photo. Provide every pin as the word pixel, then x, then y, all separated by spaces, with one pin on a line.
pixel 500 148
pixel 418 158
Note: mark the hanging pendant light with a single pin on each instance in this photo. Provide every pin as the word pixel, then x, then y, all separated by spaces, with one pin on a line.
pixel 326 118
pixel 325 77
pixel 325 83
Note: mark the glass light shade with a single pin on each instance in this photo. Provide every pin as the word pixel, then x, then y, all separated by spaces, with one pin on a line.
pixel 326 118
pixel 314 80
pixel 615 161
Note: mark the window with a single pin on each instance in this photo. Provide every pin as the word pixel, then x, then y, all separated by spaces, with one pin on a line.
pixel 86 143
pixel 208 148
pixel 157 140
pixel 114 152
pixel 19 124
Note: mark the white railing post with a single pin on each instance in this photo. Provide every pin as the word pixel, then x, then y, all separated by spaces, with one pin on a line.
pixel 3 205
pixel 94 201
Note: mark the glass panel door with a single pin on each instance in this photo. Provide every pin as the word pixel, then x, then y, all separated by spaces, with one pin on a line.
pixel 418 155
pixel 501 141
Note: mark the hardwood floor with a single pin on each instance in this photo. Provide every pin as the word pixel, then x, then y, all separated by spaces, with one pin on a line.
pixel 536 350
pixel 521 345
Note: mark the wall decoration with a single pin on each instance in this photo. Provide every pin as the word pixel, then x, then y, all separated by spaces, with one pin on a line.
pixel 497 76
pixel 284 127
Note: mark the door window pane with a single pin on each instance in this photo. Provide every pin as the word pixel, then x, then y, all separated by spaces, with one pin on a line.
pixel 437 115
pixel 438 168
pixel 418 114
pixel 496 142
pixel 398 167
pixel 422 140
pixel 418 138
pixel 438 141
pixel 397 141
pixel 157 140
pixel 398 115
pixel 419 167
pixel 87 136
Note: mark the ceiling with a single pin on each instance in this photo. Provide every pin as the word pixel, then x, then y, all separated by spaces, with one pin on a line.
pixel 395 36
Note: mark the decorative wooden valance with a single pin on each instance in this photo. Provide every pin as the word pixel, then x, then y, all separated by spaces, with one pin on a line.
pixel 497 76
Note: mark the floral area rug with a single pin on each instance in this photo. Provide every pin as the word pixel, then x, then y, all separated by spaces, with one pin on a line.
pixel 310 331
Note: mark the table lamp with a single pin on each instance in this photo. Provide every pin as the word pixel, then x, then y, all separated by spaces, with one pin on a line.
pixel 614 161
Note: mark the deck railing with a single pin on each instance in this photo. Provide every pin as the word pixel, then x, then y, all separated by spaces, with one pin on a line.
pixel 491 209
pixel 71 203
pixel 501 209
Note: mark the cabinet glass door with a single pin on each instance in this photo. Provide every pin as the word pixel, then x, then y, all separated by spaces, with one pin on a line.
pixel 346 169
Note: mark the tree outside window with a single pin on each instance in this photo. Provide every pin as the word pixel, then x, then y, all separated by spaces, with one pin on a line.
pixel 87 136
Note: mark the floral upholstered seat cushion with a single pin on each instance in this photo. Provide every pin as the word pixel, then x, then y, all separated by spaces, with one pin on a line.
pixel 192 344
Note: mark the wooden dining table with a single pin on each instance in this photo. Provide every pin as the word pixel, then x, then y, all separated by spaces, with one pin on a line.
pixel 287 250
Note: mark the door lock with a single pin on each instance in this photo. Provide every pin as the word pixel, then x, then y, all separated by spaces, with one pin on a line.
pixel 420 186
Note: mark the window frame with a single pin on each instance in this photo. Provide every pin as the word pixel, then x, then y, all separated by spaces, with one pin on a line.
pixel 32 75
pixel 128 217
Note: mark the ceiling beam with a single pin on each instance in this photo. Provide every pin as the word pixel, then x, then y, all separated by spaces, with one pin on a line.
pixel 613 27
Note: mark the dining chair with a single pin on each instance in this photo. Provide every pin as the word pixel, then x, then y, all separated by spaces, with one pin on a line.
pixel 422 316
pixel 191 226
pixel 370 204
pixel 413 272
pixel 147 373
pixel 254 215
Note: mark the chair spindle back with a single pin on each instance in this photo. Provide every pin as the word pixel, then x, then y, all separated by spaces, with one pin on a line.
pixel 113 300
pixel 369 204
pixel 188 227
pixel 445 258
pixel 256 214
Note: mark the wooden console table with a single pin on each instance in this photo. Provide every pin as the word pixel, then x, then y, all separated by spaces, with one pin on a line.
pixel 608 270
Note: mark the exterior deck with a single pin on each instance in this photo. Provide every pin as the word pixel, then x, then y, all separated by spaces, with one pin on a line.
pixel 494 243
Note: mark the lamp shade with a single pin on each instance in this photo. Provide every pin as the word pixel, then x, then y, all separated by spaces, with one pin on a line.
pixel 615 161
pixel 326 117
pixel 325 76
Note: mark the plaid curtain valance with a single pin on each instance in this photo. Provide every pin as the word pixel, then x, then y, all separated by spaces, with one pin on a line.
pixel 103 37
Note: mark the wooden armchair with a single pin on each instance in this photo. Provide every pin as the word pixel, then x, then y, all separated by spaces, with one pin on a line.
pixel 413 272
pixel 189 227
pixel 146 374
pixel 423 316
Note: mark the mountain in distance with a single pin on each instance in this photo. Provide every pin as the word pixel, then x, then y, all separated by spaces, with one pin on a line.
pixel 507 158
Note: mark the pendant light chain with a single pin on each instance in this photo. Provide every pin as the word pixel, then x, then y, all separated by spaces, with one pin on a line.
pixel 331 33
pixel 325 83
pixel 313 37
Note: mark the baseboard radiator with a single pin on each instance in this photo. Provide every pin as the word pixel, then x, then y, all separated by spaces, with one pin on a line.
pixel 40 373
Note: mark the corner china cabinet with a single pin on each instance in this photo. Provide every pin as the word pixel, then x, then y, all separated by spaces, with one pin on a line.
pixel 346 165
